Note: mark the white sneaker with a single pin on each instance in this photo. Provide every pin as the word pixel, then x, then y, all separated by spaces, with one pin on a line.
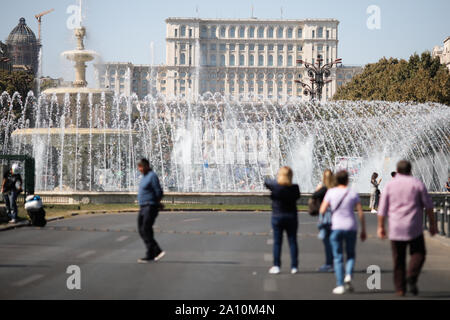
pixel 339 290
pixel 348 283
pixel 374 211
pixel 12 221
pixel 294 271
pixel 160 256
pixel 274 270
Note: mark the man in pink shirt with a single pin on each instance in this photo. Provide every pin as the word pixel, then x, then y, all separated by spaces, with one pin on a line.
pixel 403 200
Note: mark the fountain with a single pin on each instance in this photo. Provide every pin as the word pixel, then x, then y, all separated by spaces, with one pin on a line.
pixel 86 139
pixel 67 124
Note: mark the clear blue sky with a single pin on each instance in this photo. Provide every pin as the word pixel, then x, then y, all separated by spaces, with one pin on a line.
pixel 122 30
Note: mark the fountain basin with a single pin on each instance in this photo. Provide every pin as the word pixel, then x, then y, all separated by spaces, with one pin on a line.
pixel 80 55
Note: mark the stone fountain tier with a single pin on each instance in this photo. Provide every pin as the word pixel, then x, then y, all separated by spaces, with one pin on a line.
pixel 83 133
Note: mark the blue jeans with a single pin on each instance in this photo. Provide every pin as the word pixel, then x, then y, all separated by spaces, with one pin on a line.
pixel 328 248
pixel 290 225
pixel 11 204
pixel 337 239
pixel 324 225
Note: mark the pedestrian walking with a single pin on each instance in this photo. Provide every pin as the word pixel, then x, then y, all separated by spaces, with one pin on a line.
pixel 324 223
pixel 402 203
pixel 11 188
pixel 343 201
pixel 284 197
pixel 375 192
pixel 149 197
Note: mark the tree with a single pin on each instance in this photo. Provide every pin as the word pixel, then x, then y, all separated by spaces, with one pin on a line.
pixel 421 79
pixel 17 81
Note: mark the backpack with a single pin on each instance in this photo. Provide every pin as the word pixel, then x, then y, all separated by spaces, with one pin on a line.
pixel 314 206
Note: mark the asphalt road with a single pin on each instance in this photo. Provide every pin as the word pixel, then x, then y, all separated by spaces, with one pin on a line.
pixel 209 256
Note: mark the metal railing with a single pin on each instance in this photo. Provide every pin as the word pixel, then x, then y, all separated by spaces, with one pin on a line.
pixel 441 213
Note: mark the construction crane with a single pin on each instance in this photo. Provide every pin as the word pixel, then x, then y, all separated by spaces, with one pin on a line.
pixel 39 19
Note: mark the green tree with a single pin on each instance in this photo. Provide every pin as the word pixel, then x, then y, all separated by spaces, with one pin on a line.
pixel 421 79
pixel 18 81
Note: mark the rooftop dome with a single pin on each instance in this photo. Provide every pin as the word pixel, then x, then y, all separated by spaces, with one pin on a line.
pixel 21 34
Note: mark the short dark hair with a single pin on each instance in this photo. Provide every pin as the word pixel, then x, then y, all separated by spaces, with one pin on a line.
pixel 393 174
pixel 404 167
pixel 144 163
pixel 342 177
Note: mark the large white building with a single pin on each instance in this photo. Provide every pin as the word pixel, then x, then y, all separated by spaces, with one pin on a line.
pixel 238 57
pixel 443 52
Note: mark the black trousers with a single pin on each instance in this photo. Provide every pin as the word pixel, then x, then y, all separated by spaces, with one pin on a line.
pixel 417 254
pixel 146 219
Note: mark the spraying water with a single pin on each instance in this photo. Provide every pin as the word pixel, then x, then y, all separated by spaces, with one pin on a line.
pixel 217 144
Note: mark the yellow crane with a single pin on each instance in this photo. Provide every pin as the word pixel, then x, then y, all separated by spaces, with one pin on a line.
pixel 39 19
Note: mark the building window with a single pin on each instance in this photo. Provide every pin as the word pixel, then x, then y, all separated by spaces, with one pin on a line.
pixel 176 32
pixel 241 32
pixel 300 33
pixel 299 58
pixel 183 31
pixel 261 47
pixel 261 32
pixel 223 47
pixel 190 32
pixel 251 32
pixel 222 32
pixel 300 48
pixel 280 47
pixel 232 32
pixel 241 60
pixel 290 59
pixel 270 63
pixel 280 32
pixel 213 47
pixel 271 46
pixel 183 59
pixel 280 60
pixel 319 47
pixel 328 34
pixel 204 31
pixel 260 60
pixel 213 60
pixel 232 60
pixel 313 34
pixel 222 60
pixel 213 31
pixel 251 47
pixel 290 33
pixel 270 32
pixel 204 59
pixel 320 32
pixel 290 47
pixel 252 60
pixel 232 47
pixel 242 47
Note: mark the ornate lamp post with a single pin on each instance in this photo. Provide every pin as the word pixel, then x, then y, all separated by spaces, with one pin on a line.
pixel 318 75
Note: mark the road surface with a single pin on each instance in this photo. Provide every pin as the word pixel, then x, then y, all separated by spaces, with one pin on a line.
pixel 209 256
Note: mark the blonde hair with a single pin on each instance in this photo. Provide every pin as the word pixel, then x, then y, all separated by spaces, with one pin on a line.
pixel 284 176
pixel 328 179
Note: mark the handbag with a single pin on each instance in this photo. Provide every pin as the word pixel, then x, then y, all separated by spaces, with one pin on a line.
pixel 325 220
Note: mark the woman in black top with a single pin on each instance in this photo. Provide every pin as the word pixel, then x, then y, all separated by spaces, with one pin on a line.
pixel 284 217
pixel 325 219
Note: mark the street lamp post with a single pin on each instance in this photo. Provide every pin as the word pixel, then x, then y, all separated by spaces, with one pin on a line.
pixel 318 75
